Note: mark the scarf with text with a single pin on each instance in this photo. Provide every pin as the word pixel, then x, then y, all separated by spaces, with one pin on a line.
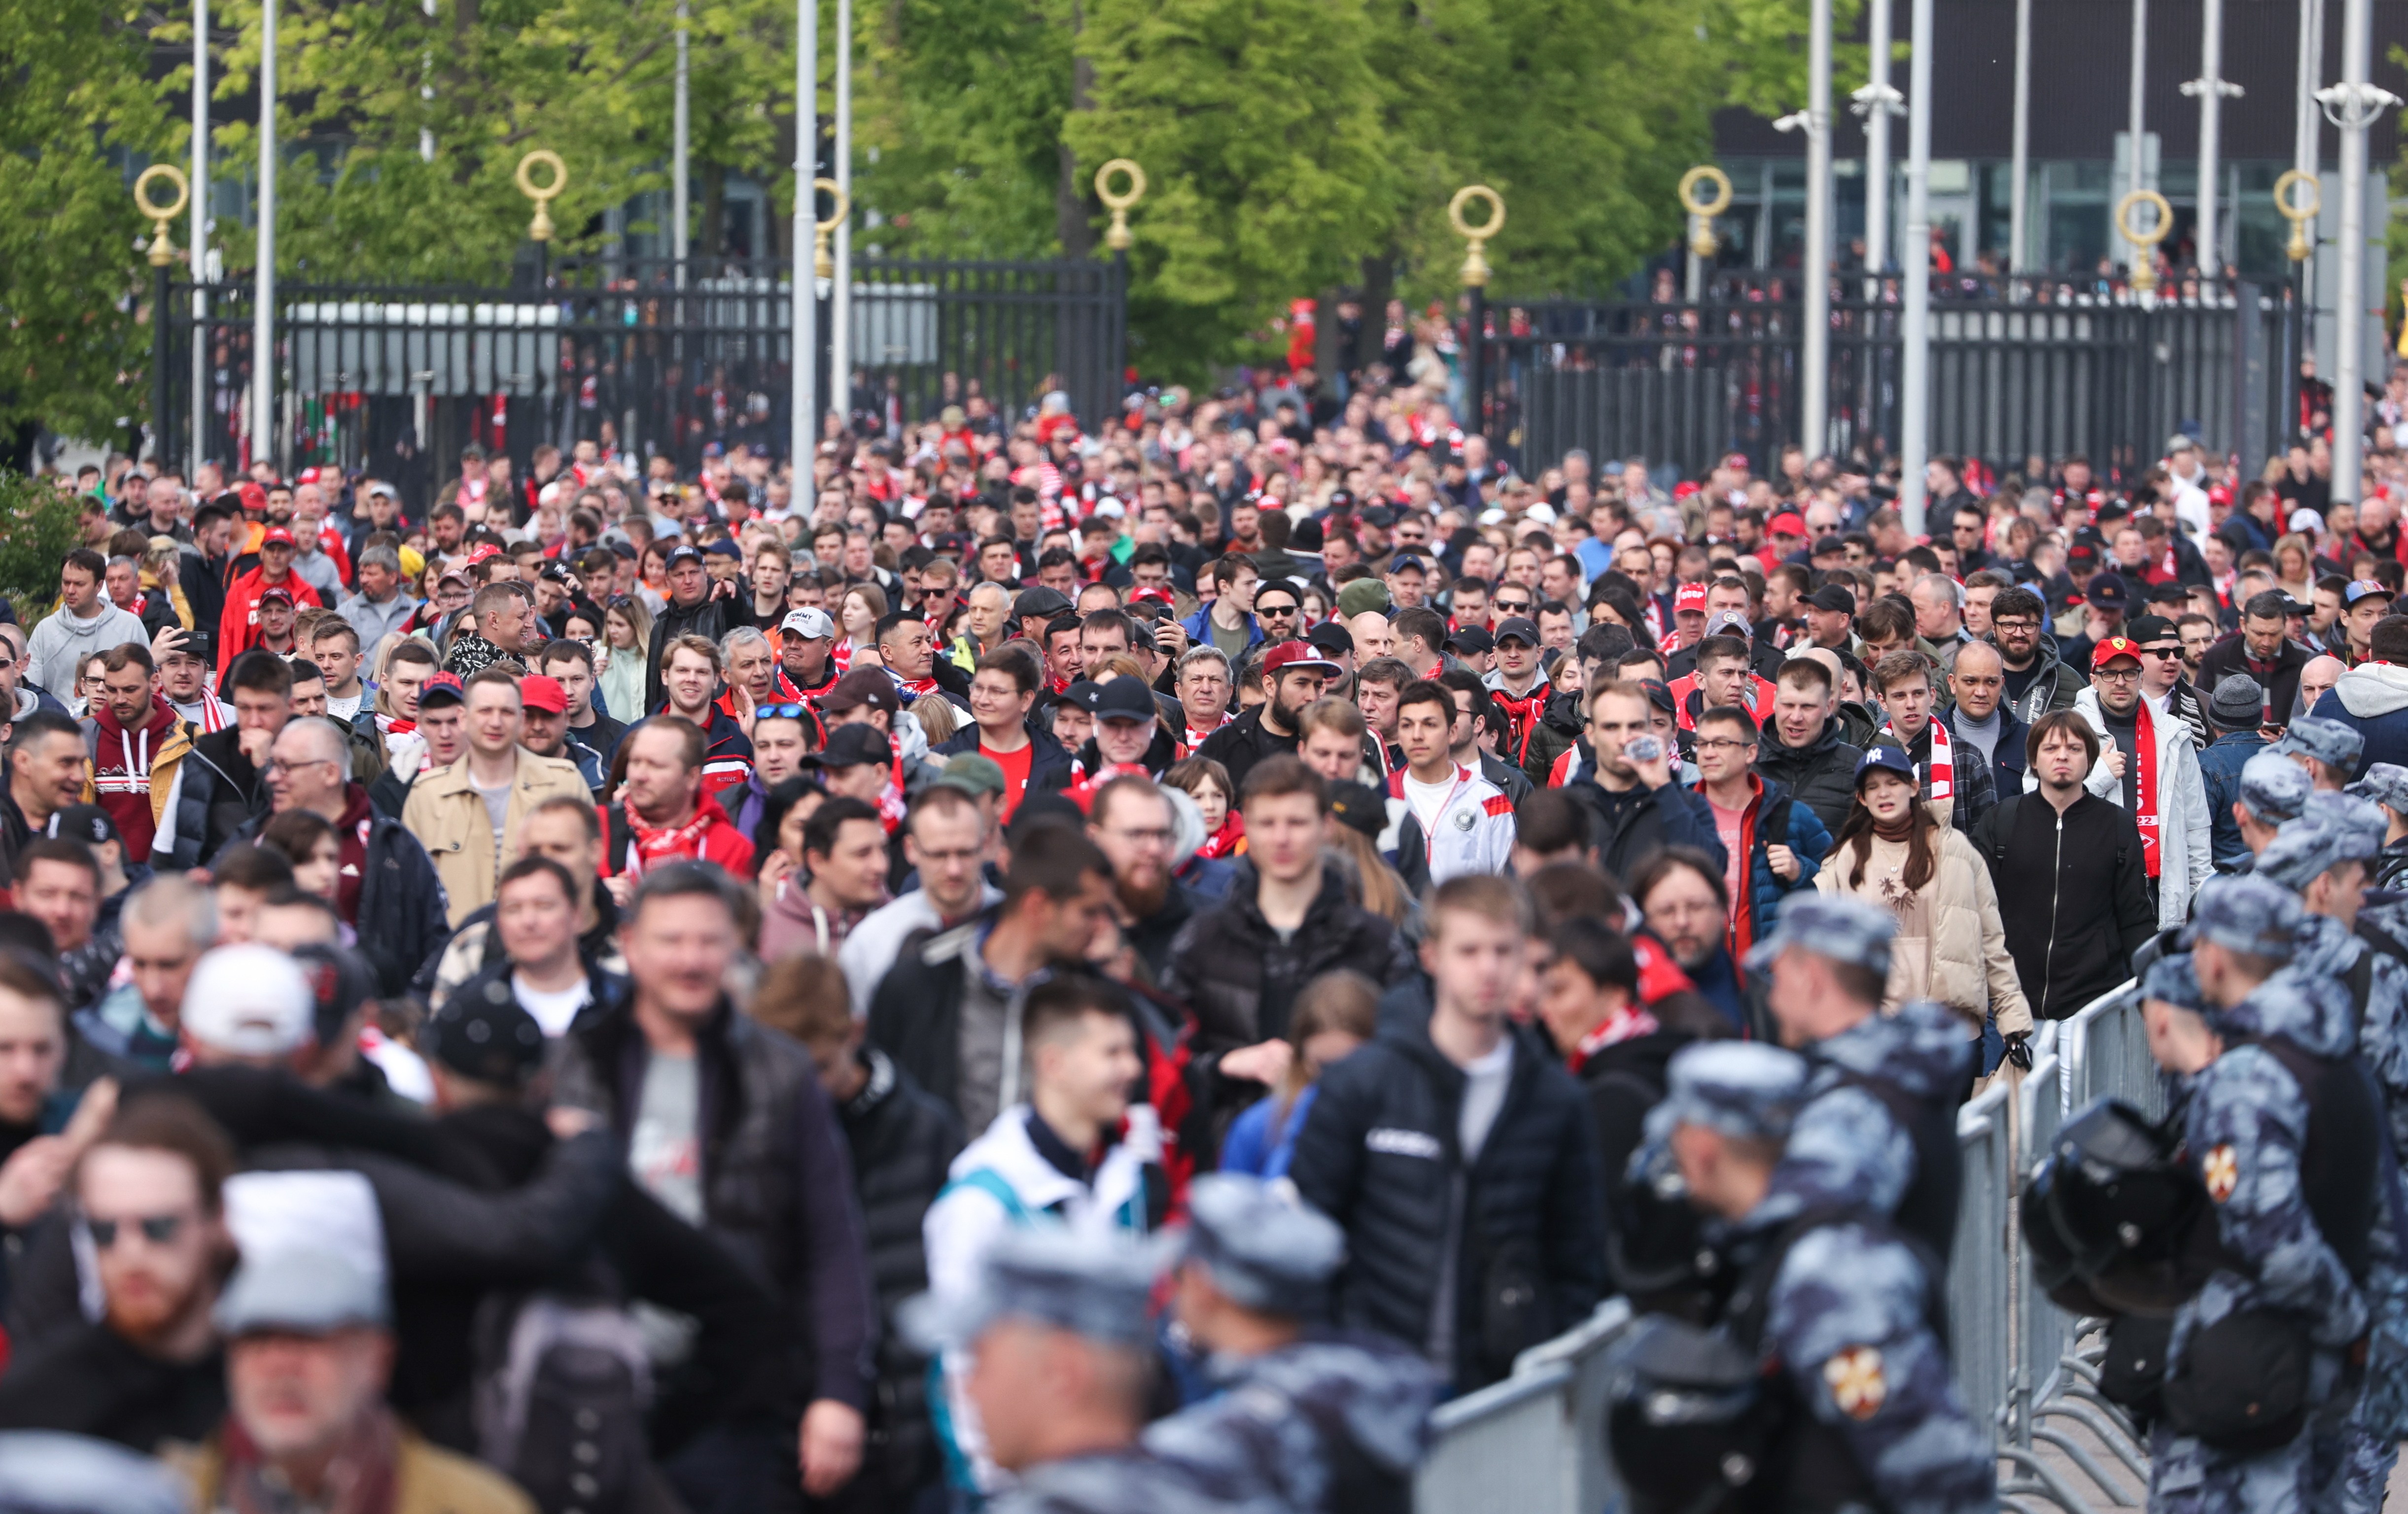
pixel 2145 811
pixel 1939 768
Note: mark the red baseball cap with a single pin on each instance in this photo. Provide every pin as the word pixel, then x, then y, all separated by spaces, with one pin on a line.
pixel 278 536
pixel 539 691
pixel 1299 656
pixel 255 494
pixel 2113 648
pixel 306 476
pixel 1787 523
pixel 480 553
pixel 1692 596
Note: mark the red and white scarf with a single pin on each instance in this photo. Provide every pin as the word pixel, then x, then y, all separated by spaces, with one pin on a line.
pixel 1628 1024
pixel 1939 769
pixel 2145 810
pixel 652 846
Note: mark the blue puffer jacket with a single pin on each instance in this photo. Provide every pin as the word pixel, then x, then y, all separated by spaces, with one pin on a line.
pixel 1773 818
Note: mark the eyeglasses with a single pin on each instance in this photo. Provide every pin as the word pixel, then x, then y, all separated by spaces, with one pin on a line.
pixel 1724 744
pixel 1512 607
pixel 2117 675
pixel 1997 624
pixel 277 765
pixel 2161 651
pixel 158 1229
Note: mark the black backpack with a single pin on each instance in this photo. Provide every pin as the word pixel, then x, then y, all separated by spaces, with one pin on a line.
pixel 561 1392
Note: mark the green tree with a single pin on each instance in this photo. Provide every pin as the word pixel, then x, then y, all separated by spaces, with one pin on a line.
pixel 41 531
pixel 76 106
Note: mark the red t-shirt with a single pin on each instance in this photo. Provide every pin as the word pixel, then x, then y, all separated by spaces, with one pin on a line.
pixel 1015 772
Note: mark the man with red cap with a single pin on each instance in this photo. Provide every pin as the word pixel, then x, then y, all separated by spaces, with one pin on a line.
pixel 1688 615
pixel 238 627
pixel 1294 675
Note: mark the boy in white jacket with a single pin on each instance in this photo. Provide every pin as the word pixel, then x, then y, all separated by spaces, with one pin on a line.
pixel 1062 1159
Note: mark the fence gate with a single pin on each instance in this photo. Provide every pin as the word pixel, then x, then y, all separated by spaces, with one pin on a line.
pixel 400 379
pixel 2040 370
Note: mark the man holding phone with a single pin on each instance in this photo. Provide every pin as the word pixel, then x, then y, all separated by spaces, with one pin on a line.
pixel 1636 806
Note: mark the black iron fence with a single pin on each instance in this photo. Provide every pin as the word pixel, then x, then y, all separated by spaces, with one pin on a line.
pixel 2036 371
pixel 400 380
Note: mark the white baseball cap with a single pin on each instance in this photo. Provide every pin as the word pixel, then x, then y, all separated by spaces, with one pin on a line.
pixel 249 1000
pixel 808 624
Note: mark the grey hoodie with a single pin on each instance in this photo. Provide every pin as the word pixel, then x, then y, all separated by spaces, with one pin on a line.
pixel 2375 689
pixel 61 641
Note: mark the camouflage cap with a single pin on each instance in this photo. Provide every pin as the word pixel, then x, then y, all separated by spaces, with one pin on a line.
pixel 1741 1088
pixel 2306 848
pixel 2329 742
pixel 2273 788
pixel 2172 979
pixel 1830 925
pixel 2385 784
pixel 1265 1248
pixel 2243 912
pixel 2350 813
pixel 1096 1286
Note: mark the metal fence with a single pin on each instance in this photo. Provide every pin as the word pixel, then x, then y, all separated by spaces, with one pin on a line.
pixel 647 355
pixel 2044 373
pixel 1534 1443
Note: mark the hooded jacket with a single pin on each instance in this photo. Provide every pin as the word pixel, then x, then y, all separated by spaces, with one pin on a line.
pixel 1241 978
pixel 137 776
pixel 1820 775
pixel 2183 859
pixel 709 615
pixel 239 622
pixel 1517 1233
pixel 222 791
pixel 1630 826
pixel 61 641
pixel 2052 686
pixel 1557 731
pixel 2372 700
pixel 1049 764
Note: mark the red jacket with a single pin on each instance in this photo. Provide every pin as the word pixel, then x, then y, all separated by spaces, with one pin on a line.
pixel 1760 693
pixel 711 836
pixel 239 626
pixel 125 764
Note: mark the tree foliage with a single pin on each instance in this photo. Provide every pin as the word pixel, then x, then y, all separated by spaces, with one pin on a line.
pixel 42 530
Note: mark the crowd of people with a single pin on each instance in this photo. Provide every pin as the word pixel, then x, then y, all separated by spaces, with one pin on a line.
pixel 610 991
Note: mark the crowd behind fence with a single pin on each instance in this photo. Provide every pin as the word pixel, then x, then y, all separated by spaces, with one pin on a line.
pixel 1534 1443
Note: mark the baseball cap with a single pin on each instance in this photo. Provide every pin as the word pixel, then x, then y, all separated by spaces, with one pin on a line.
pixel 972 773
pixel 2113 648
pixel 487 1035
pixel 1888 759
pixel 441 689
pixel 2306 522
pixel 683 554
pixel 1831 596
pixel 1787 523
pixel 1330 636
pixel 1518 627
pixel 1691 597
pixel 87 823
pixel 872 686
pixel 851 746
pixel 275 537
pixel 1827 545
pixel 2364 588
pixel 808 624
pixel 1116 699
pixel 538 690
pixel 248 1000
pixel 1300 656
pixel 284 596
pixel 1472 641
pixel 2145 629
pixel 1408 564
pixel 2108 591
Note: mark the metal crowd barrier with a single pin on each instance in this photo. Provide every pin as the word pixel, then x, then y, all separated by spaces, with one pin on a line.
pixel 1535 1444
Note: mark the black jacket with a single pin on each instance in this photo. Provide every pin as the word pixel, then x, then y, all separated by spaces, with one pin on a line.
pixel 1244 742
pixel 404 918
pixel 1633 825
pixel 2008 762
pixel 777 1186
pixel 1821 775
pixel 220 784
pixel 712 617
pixel 1049 766
pixel 1521 1226
pixel 91 1381
pixel 2073 894
pixel 1241 979
pixel 2280 679
pixel 903 1139
pixel 1652 1243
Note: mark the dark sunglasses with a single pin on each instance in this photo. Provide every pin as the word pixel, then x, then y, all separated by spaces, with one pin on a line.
pixel 158 1229
pixel 1275 609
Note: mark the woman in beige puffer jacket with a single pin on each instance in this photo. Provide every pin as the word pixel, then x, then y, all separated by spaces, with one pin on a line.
pixel 1951 945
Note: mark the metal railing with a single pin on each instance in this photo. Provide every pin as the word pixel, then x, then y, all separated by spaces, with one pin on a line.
pixel 1534 1443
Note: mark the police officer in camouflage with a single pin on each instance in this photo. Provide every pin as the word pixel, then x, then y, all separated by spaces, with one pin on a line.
pixel 2273 789
pixel 1842 1312
pixel 2323 856
pixel 1062 1350
pixel 1319 1421
pixel 2262 1058
pixel 1879 1126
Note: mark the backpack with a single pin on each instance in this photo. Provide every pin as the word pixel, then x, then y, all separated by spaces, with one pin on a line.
pixel 559 1400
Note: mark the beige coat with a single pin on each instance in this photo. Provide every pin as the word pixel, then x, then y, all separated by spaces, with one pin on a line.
pixel 448 817
pixel 426 1480
pixel 1962 962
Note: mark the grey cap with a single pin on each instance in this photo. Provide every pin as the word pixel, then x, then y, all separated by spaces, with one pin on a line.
pixel 2305 849
pixel 50 1471
pixel 1094 1286
pixel 2244 912
pixel 2350 813
pixel 1745 1089
pixel 1830 925
pixel 1264 1248
pixel 2273 788
pixel 2329 742
pixel 300 1293
pixel 973 774
pixel 2240 702
pixel 2385 784
pixel 2171 978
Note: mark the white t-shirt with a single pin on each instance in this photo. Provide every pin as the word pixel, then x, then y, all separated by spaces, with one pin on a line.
pixel 347 710
pixel 1428 799
pixel 552 1009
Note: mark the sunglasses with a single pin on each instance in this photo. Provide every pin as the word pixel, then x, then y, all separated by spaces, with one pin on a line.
pixel 158 1229
pixel 1275 609
pixel 783 712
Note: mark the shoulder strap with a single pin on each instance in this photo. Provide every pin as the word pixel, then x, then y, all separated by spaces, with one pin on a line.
pixel 621 837
pixel 2002 830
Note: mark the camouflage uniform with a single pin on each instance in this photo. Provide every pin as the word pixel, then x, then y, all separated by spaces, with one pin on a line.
pixel 1326 1423
pixel 2244 1122
pixel 2331 830
pixel 1128 1481
pixel 1846 1316
pixel 1847 1147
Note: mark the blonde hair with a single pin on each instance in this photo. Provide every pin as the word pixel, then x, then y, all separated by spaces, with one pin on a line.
pixel 1344 1001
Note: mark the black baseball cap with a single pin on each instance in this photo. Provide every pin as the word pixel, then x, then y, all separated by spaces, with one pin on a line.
pixel 851 746
pixel 487 1035
pixel 1114 699
pixel 1330 636
pixel 1518 627
pixel 1472 641
pixel 1832 597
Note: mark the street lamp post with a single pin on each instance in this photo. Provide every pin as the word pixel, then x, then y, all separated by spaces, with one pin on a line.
pixel 2211 89
pixel 1701 221
pixel 2353 105
pixel 803 439
pixel 840 337
pixel 198 238
pixel 264 441
pixel 1475 283
pixel 679 135
pixel 2137 179
pixel 2019 156
pixel 1117 238
pixel 1914 417
pixel 1814 348
pixel 162 253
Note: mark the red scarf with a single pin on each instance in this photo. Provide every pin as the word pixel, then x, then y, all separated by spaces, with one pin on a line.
pixel 1521 716
pixel 1628 1024
pixel 1939 769
pixel 657 844
pixel 913 689
pixel 1228 841
pixel 2144 813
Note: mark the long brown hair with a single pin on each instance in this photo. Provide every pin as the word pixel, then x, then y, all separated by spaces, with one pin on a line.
pixel 1922 844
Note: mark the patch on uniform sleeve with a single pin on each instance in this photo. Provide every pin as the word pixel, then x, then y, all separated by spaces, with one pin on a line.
pixel 1857 1383
pixel 2221 1171
pixel 1497 803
